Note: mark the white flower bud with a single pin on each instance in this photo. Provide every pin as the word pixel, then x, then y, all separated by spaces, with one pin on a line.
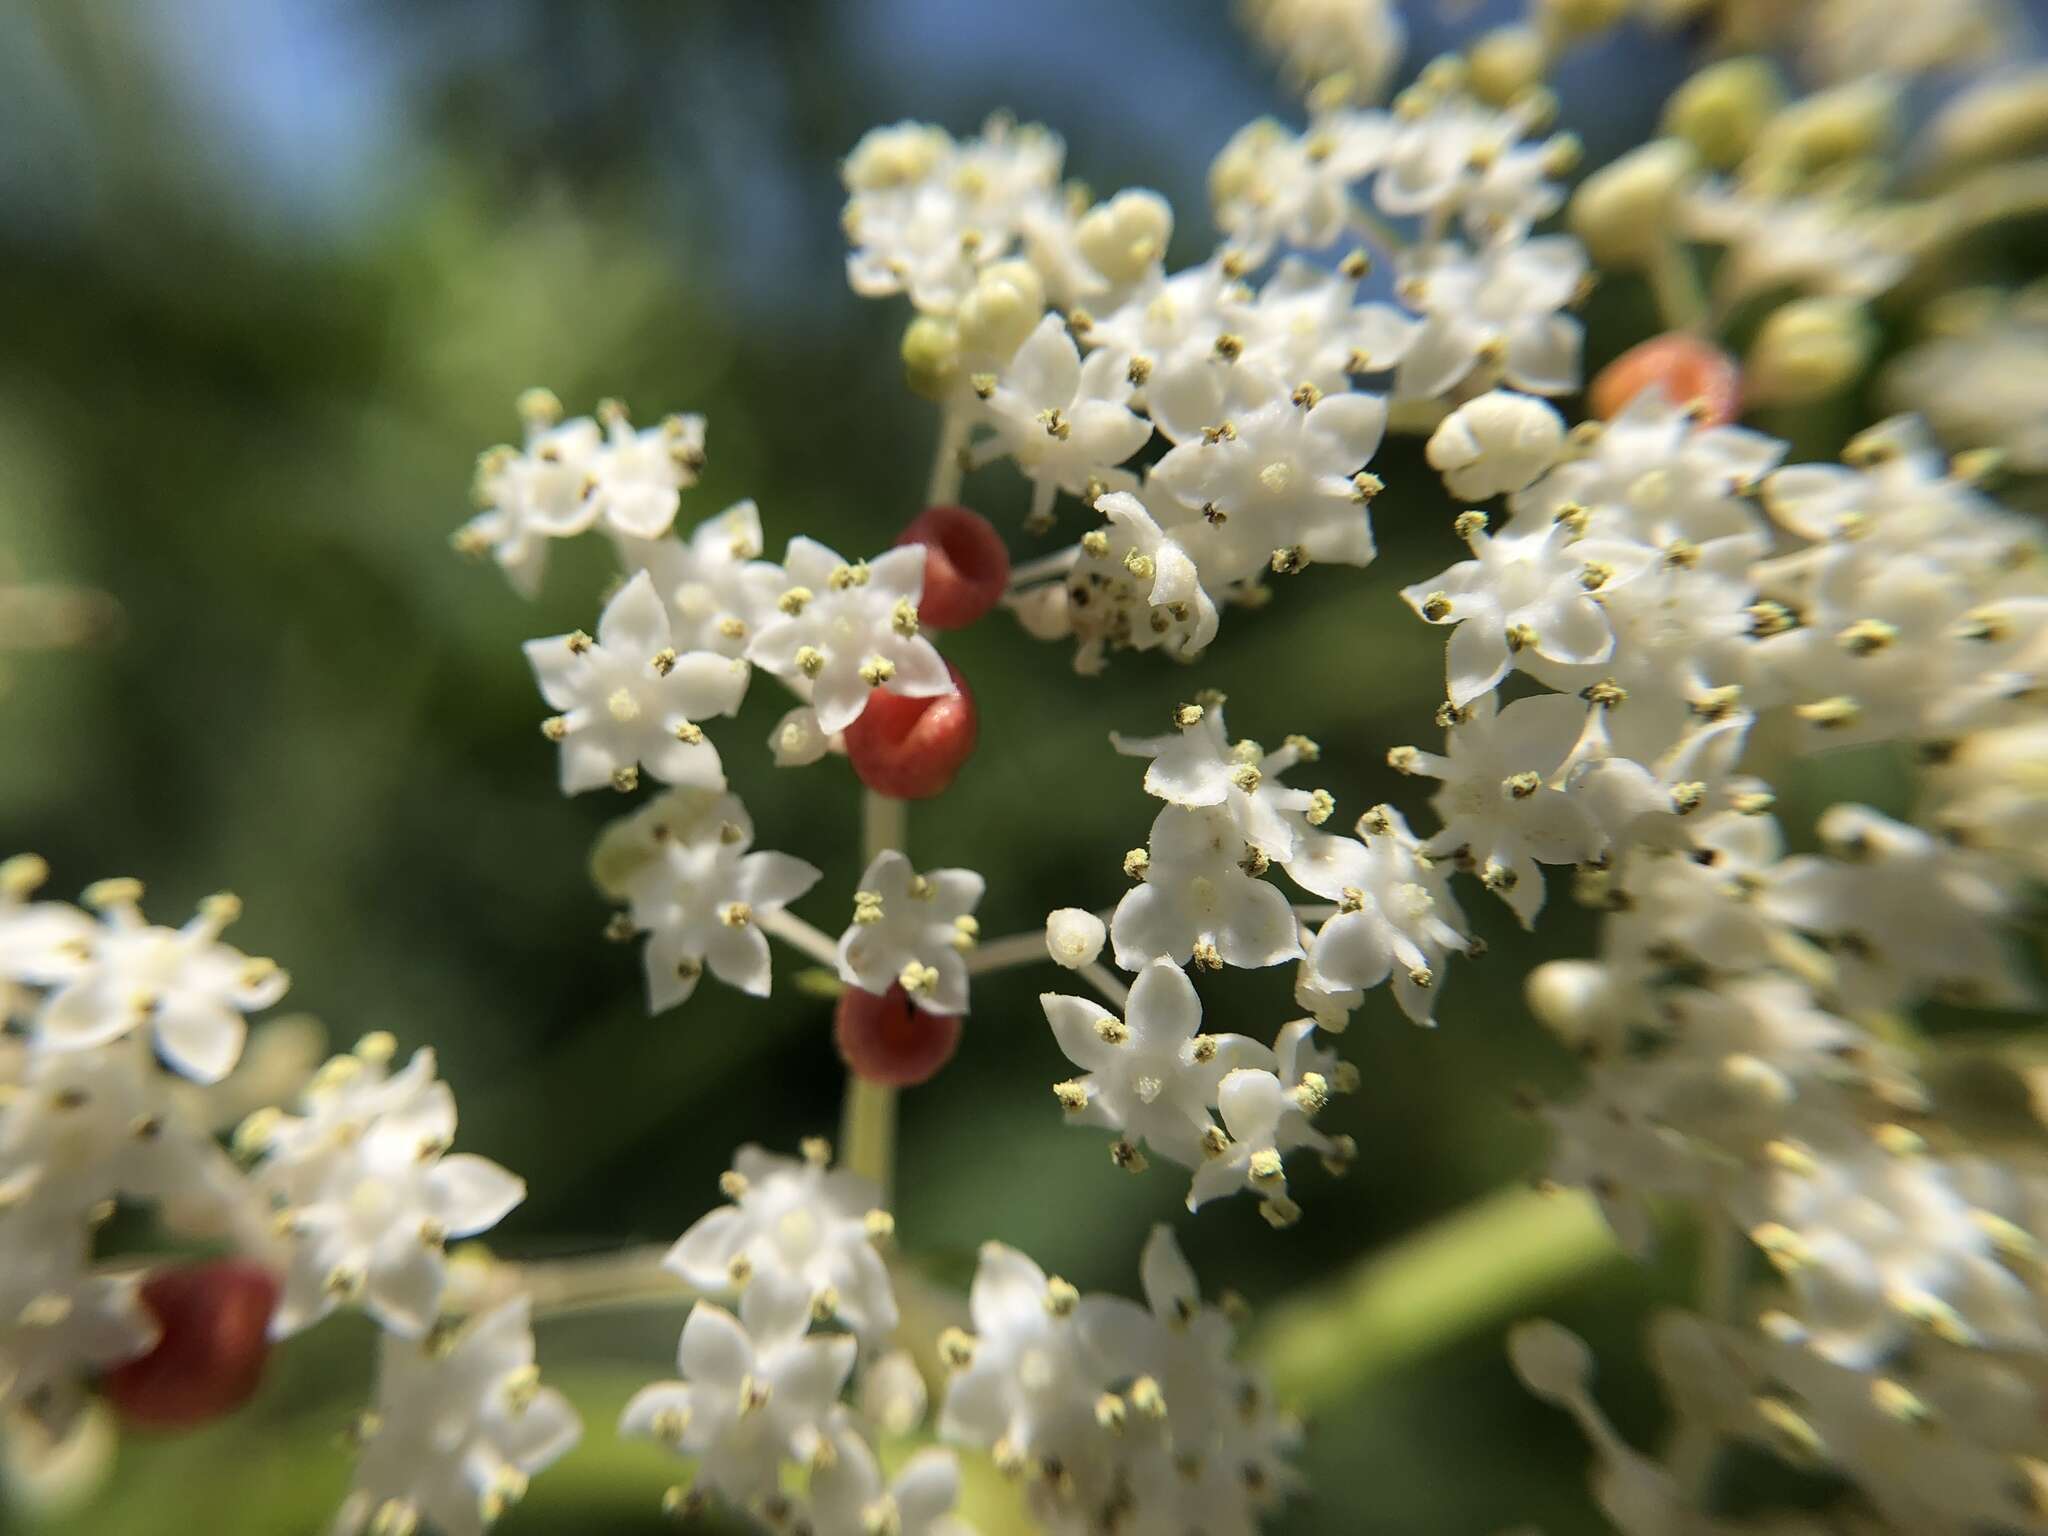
pixel 1847 123
pixel 1123 237
pixel 1506 62
pixel 1498 443
pixel 892 1393
pixel 1579 18
pixel 1002 308
pixel 1570 998
pixel 1624 209
pixel 1999 118
pixel 931 356
pixel 897 156
pixel 1807 350
pixel 1074 938
pixel 1721 110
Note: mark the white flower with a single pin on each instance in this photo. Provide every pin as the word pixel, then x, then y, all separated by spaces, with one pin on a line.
pixel 1495 444
pixel 800 1223
pixel 1134 586
pixel 79 1127
pixel 1456 156
pixel 460 1426
pixel 61 1319
pixel 41 942
pixel 1150 1076
pixel 1305 327
pixel 628 700
pixel 700 897
pixel 1074 938
pixel 1523 592
pixel 1654 475
pixel 756 1392
pixel 1255 1107
pixel 1498 306
pixel 1395 914
pixel 913 930
pixel 366 1192
pixel 716 586
pixel 1166 334
pixel 1502 809
pixel 1284 483
pixel 1319 38
pixel 536 494
pixel 1822 244
pixel 1198 765
pixel 1906 915
pixel 1028 1382
pixel 185 987
pixel 637 478
pixel 843 630
pixel 797 740
pixel 1982 377
pixel 924 213
pixel 1269 186
pixel 1200 898
pixel 1066 422
pixel 850 1498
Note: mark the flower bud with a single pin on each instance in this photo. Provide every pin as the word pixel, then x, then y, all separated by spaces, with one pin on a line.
pixel 966 567
pixel 1506 62
pixel 1849 123
pixel 1496 443
pixel 1807 350
pixel 2002 117
pixel 882 1039
pixel 1624 210
pixel 1691 372
pixel 1570 998
pixel 214 1340
pixel 899 155
pixel 1721 110
pixel 1579 18
pixel 931 356
pixel 1002 308
pixel 911 749
pixel 1241 163
pixel 1123 237
pixel 1074 938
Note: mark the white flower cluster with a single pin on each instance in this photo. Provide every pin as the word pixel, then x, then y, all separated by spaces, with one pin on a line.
pixel 110 1011
pixel 760 1391
pixel 1118 1417
pixel 676 646
pixel 1054 336
pixel 122 1024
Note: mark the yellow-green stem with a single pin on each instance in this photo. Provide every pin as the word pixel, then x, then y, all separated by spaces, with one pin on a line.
pixel 1675 283
pixel 1475 1266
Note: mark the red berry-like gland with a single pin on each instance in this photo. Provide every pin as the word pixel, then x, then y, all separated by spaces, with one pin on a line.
pixel 1692 372
pixel 911 749
pixel 885 1040
pixel 966 567
pixel 215 1341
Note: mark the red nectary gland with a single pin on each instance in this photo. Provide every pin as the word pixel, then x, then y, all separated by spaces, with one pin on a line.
pixel 885 1040
pixel 966 567
pixel 214 1344
pixel 912 749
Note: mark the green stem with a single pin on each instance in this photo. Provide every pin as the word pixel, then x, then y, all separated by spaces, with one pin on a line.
pixel 1477 1266
pixel 1675 283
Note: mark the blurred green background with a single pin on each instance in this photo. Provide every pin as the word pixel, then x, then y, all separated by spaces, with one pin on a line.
pixel 271 276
